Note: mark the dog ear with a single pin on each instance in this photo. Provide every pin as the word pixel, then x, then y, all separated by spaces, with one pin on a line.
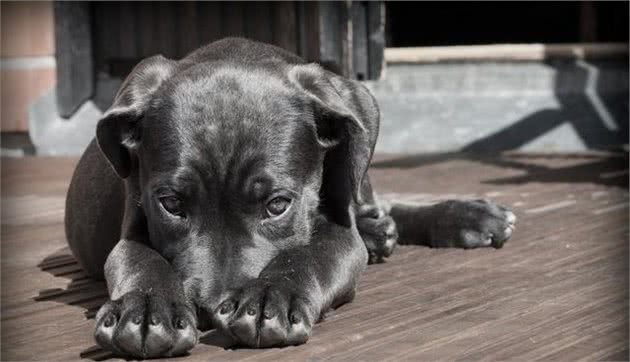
pixel 119 129
pixel 346 119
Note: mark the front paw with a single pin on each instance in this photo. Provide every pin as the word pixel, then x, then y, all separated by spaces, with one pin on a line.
pixel 378 232
pixel 266 314
pixel 471 224
pixel 146 325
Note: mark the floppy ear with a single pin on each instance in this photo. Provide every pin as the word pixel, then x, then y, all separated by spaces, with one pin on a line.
pixel 118 131
pixel 346 118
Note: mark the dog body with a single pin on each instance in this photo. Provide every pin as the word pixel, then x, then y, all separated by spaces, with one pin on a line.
pixel 229 190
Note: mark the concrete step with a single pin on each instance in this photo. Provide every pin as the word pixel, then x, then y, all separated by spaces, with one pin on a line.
pixel 557 105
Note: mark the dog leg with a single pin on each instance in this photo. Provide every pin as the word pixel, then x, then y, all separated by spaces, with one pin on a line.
pixel 148 314
pixel 280 307
pixel 378 231
pixel 454 223
pixel 376 227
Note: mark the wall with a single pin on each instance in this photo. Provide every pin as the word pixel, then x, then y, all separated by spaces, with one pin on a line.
pixel 27 67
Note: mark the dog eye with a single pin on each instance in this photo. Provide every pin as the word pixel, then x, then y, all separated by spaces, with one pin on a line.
pixel 172 204
pixel 278 206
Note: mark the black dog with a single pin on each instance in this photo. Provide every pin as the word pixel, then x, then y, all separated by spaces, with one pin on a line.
pixel 229 190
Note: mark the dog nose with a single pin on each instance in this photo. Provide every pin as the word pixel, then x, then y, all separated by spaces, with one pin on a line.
pixel 205 317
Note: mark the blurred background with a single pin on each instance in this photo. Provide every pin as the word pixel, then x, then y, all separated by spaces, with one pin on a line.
pixel 472 77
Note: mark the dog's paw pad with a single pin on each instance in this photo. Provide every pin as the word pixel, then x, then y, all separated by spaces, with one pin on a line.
pixel 472 224
pixel 265 315
pixel 145 326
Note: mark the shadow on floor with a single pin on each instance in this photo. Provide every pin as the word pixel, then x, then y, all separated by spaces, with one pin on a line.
pixel 90 295
pixel 608 170
pixel 81 291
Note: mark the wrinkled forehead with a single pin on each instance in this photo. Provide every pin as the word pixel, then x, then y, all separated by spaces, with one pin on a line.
pixel 220 94
pixel 228 119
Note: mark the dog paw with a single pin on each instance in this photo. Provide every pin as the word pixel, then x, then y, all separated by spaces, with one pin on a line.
pixel 471 224
pixel 264 314
pixel 378 231
pixel 145 325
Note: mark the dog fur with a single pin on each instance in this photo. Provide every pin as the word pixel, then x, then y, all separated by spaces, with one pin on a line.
pixel 229 190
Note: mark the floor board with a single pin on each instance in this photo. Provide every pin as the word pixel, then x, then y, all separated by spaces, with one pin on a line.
pixel 557 290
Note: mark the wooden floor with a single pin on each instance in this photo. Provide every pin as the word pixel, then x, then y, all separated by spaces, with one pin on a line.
pixel 557 290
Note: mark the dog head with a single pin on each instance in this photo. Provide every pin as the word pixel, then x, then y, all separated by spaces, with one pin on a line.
pixel 229 164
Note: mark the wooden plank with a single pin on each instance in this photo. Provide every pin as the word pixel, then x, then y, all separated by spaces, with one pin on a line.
pixel 167 31
pixel 285 27
pixel 209 22
pixel 258 23
pixel 233 19
pixel 503 52
pixel 100 48
pixel 187 28
pixel 147 20
pixel 334 43
pixel 308 19
pixel 376 38
pixel 128 30
pixel 73 44
pixel 360 54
